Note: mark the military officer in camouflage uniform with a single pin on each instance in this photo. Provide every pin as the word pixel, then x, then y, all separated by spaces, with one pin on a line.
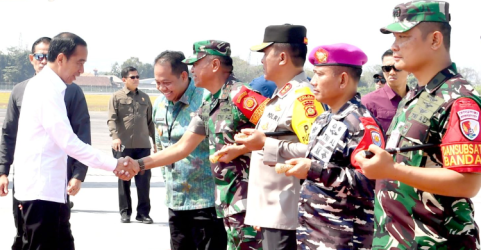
pixel 337 201
pixel 422 197
pixel 218 119
pixel 272 198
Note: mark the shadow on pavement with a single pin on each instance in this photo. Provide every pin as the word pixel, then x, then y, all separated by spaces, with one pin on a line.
pixel 115 184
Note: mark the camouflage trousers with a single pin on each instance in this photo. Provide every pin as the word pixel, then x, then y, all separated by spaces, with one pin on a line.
pixel 330 222
pixel 241 236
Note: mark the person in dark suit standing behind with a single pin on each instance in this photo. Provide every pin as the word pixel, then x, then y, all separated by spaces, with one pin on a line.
pixel 130 125
pixel 79 118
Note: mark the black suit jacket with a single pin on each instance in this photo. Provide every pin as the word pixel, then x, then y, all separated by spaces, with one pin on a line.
pixel 77 113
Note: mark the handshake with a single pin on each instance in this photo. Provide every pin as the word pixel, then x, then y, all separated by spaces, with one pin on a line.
pixel 126 168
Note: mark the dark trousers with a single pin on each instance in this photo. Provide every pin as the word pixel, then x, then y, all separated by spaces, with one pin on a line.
pixel 44 226
pixel 142 181
pixel 278 239
pixel 65 238
pixel 196 230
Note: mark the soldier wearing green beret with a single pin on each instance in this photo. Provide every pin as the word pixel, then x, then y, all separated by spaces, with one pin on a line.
pixel 422 197
pixel 218 119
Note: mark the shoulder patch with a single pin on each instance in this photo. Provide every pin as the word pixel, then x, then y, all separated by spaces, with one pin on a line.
pixel 461 144
pixel 304 113
pixel 250 103
pixel 372 135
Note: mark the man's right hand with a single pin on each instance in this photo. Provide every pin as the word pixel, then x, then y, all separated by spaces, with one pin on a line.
pixel 3 185
pixel 126 168
pixel 116 143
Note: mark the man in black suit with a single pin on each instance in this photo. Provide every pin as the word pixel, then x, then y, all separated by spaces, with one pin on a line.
pixel 79 118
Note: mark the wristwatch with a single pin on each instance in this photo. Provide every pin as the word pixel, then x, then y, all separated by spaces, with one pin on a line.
pixel 141 164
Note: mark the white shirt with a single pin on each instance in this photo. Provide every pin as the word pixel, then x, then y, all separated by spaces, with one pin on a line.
pixel 44 140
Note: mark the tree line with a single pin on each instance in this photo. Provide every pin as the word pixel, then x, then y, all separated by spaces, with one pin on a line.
pixel 15 67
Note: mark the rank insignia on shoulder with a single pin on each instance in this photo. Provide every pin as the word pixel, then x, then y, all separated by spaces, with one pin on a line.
pixel 285 89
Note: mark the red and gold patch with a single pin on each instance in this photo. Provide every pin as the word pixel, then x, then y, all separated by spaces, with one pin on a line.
pixel 305 40
pixel 372 135
pixel 321 55
pixel 461 144
pixel 285 89
pixel 249 103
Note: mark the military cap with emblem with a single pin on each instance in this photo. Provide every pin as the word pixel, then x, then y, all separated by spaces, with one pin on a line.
pixel 408 15
pixel 339 54
pixel 208 47
pixel 286 33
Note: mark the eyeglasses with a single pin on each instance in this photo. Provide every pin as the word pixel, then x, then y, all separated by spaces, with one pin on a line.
pixel 133 77
pixel 40 56
pixel 388 68
pixel 383 81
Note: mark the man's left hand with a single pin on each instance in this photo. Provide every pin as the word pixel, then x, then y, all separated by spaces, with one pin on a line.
pixel 73 186
pixel 300 169
pixel 255 139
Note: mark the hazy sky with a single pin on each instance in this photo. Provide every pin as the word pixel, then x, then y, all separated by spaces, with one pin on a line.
pixel 120 29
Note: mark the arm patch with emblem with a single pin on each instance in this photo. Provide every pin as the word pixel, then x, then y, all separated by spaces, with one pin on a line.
pixel 461 144
pixel 372 135
pixel 306 110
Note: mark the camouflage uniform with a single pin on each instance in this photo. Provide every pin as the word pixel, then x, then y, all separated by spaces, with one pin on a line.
pixel 409 218
pixel 219 119
pixel 337 201
pixel 406 217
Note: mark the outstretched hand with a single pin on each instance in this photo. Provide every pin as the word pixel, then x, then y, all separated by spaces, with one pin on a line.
pixel 230 151
pixel 254 140
pixel 126 168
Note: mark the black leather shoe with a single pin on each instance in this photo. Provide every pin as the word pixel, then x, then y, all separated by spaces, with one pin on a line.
pixel 125 218
pixel 144 219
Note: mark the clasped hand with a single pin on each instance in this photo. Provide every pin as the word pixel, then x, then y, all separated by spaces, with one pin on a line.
pixel 126 168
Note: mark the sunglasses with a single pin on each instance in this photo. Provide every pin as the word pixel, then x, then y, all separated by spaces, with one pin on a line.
pixel 388 68
pixel 383 81
pixel 133 77
pixel 40 56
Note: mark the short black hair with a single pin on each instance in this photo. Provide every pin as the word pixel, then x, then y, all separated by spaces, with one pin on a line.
pixel 443 27
pixel 387 53
pixel 225 61
pixel 125 71
pixel 175 59
pixel 64 43
pixel 297 52
pixel 353 72
pixel 44 39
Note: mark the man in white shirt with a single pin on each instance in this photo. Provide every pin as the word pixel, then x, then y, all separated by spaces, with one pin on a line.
pixel 44 140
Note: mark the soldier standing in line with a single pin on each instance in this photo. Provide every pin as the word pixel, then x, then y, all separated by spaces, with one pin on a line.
pixel 337 201
pixel 422 196
pixel 219 120
pixel 272 198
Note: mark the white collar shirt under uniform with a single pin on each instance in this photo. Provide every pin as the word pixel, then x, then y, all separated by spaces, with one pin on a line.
pixel 44 140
